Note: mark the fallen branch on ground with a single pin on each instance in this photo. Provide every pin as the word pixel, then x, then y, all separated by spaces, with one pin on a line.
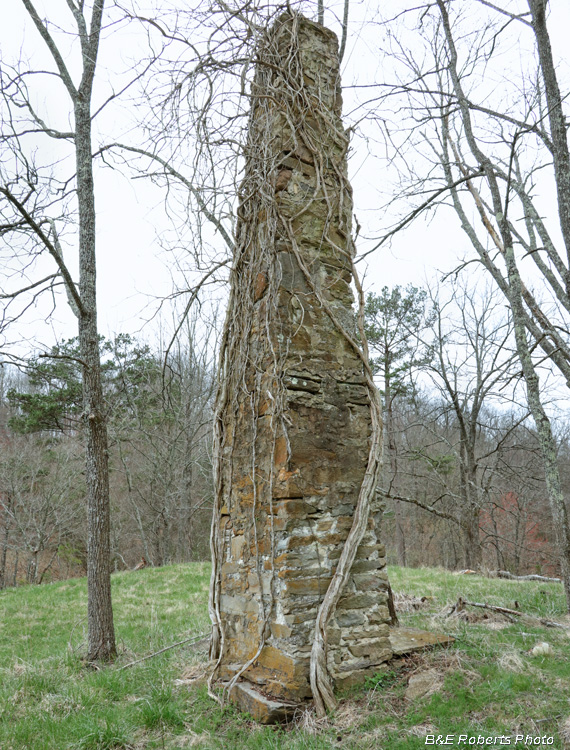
pixel 193 639
pixel 533 577
pixel 460 605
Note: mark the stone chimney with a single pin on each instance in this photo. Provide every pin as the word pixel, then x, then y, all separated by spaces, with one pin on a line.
pixel 293 422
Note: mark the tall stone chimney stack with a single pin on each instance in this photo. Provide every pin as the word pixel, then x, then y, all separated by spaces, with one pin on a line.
pixel 293 413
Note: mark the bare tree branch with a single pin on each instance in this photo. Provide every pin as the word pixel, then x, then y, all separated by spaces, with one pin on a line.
pixel 52 249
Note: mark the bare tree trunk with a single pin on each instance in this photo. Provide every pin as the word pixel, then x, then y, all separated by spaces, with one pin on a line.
pixel 558 126
pixel 101 634
pixel 83 301
pixel 472 550
pixel 135 507
pixel 344 30
pixel 15 576
pixel 5 541
pixel 390 443
pixel 185 541
pixel 498 552
pixel 48 566
pixel 31 573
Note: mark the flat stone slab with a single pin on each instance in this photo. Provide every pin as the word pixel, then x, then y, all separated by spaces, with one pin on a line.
pixel 263 709
pixel 408 640
pixel 266 710
pixel 424 684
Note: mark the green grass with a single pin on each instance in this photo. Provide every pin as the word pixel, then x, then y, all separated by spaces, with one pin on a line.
pixel 490 683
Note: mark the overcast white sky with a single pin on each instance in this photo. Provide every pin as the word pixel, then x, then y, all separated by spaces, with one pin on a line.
pixel 133 270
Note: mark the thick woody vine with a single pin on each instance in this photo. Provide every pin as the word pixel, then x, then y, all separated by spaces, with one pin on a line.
pixel 279 86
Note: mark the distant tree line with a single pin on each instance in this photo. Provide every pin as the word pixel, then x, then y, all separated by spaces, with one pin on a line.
pixel 462 464
pixel 463 469
pixel 160 459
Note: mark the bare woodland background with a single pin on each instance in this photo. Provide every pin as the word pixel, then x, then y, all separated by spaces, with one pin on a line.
pixel 453 427
pixel 461 119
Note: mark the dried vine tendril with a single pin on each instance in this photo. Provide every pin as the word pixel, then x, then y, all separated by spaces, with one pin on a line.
pixel 280 83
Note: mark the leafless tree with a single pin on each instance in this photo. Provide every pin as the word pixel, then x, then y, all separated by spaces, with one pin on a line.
pixel 450 438
pixel 162 439
pixel 472 363
pixel 488 151
pixel 40 501
pixel 32 208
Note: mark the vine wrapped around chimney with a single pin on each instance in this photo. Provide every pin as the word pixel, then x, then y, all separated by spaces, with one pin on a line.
pixel 298 595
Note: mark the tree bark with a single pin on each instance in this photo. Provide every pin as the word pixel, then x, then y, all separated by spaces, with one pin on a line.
pixel 5 540
pixel 15 576
pixel 472 552
pixel 560 153
pixel 470 517
pixel 390 443
pixel 101 634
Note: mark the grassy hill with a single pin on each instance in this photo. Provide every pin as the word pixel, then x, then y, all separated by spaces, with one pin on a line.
pixel 488 684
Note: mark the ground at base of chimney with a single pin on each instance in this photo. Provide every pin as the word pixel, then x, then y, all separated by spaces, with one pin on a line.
pixel 267 710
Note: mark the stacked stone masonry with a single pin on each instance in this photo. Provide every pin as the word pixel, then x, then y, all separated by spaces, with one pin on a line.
pixel 296 438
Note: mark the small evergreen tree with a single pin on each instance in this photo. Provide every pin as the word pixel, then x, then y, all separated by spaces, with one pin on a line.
pixel 395 321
